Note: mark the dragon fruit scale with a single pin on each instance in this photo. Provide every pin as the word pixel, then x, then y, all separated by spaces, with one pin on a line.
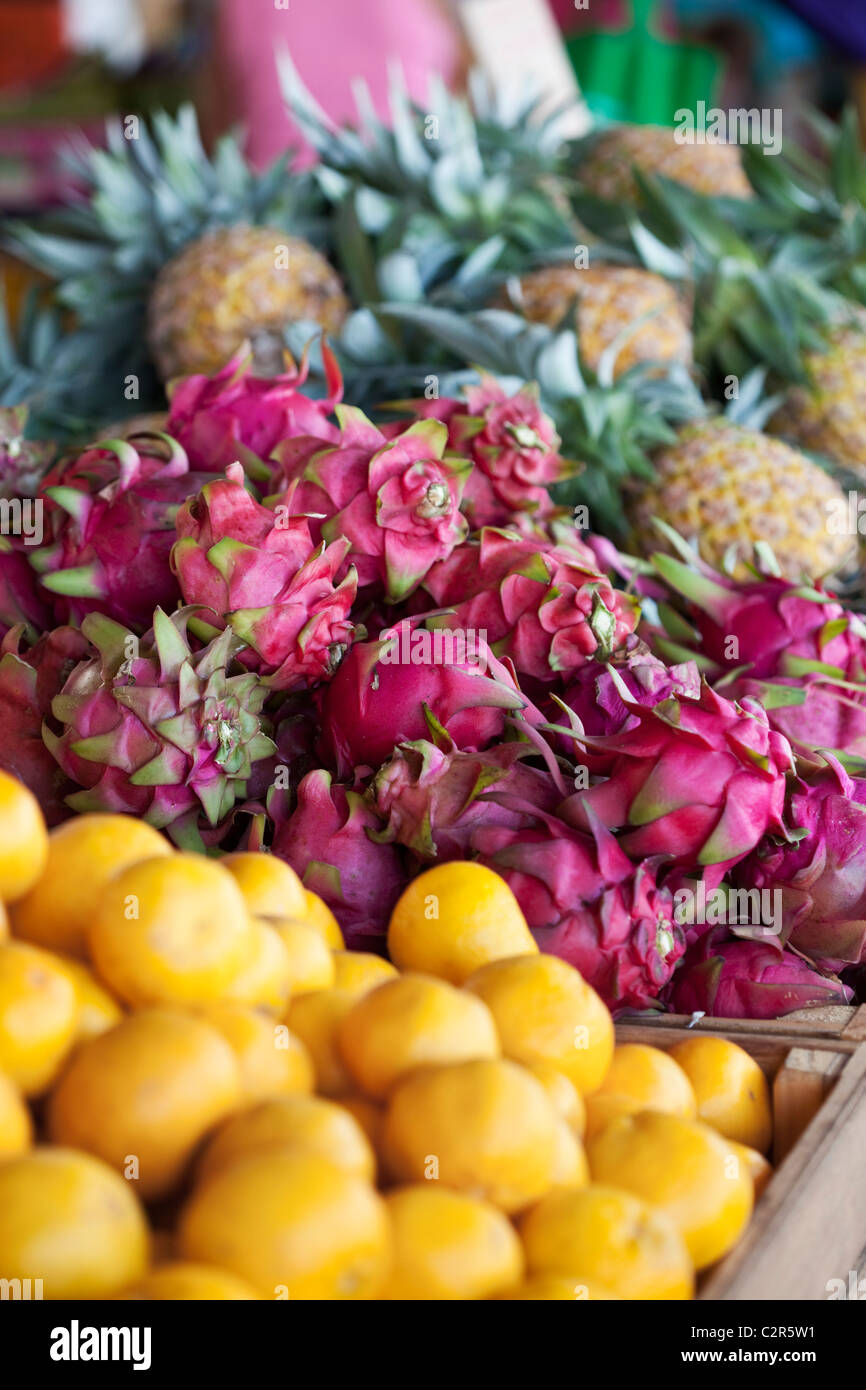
pixel 407 684
pixel 586 901
pixel 820 877
pixel 235 416
pixel 397 501
pixel 326 840
pixel 726 978
pixel 29 680
pixel 258 570
pixel 547 607
pixel 512 443
pixel 156 728
pixel 699 782
pixel 110 516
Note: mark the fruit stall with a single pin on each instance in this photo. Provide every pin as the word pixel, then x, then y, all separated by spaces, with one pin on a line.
pixel 432 783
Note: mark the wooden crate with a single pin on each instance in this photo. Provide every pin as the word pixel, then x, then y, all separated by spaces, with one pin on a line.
pixel 810 1224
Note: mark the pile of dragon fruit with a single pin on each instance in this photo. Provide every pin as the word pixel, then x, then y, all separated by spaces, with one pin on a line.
pixel 371 647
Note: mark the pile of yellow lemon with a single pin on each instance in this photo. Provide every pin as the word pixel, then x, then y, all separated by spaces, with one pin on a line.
pixel 230 1105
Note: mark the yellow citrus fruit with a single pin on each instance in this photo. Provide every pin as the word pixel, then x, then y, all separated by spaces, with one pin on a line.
pixel 571 1168
pixel 272 1061
pixel 38 1015
pixel 369 1117
pixel 143 1095
pixel 731 1090
pixel 683 1168
pixel 16 1126
pixel 484 1127
pixel 97 1009
pixel 311 960
pixel 320 916
pixel 4 923
pixel 67 1219
pixel 270 887
pixel 300 1124
pixel 448 1245
pixel 558 1287
pixel 639 1078
pixel 613 1238
pixel 23 839
pixel 291 1224
pixel 361 971
pixel 563 1094
pixel 546 1012
pixel 315 1018
pixel 181 1280
pixel 760 1169
pixel 454 918
pixel 170 930
pixel 264 981
pixel 83 854
pixel 410 1022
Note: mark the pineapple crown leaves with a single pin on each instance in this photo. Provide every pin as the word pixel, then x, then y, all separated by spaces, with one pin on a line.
pixel 611 427
pixel 44 368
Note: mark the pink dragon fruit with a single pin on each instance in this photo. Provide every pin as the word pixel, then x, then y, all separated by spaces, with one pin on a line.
pixel 697 781
pixel 152 727
pixel 587 902
pixel 727 978
pixel 111 514
pixel 20 603
pixel 238 417
pixel 512 443
pixel 408 684
pixel 396 501
pixel 29 680
pixel 433 796
pixel 327 841
pixel 548 608
pixel 792 647
pixel 821 878
pixel 259 571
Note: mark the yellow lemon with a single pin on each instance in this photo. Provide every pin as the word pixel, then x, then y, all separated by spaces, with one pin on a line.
pixel 272 1061
pixel 563 1094
pixel 361 971
pixel 410 1022
pixel 369 1116
pixel 571 1168
pixel 315 1019
pixel 83 854
pixel 546 1012
pixel 264 981
pixel 454 918
pixel 300 1124
pixel 731 1090
pixel 484 1127
pixel 610 1236
pixel 448 1245
pixel 181 1280
pixel 38 1015
pixel 143 1095
pixel 97 1009
pixel 23 839
pixel 640 1078
pixel 67 1219
pixel 293 1226
pixel 170 930
pixel 760 1169
pixel 16 1126
pixel 684 1169
pixel 311 961
pixel 270 887
pixel 320 916
pixel 558 1287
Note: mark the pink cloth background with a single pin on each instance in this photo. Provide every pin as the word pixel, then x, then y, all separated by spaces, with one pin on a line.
pixel 330 41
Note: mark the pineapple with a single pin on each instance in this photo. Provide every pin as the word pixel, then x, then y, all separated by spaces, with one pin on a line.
pixel 638 310
pixel 611 156
pixel 233 284
pixel 828 416
pixel 177 250
pixel 722 485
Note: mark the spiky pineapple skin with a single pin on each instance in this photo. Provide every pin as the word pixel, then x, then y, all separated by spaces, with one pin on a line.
pixel 232 284
pixel 723 485
pixel 607 169
pixel 829 416
pixel 611 300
